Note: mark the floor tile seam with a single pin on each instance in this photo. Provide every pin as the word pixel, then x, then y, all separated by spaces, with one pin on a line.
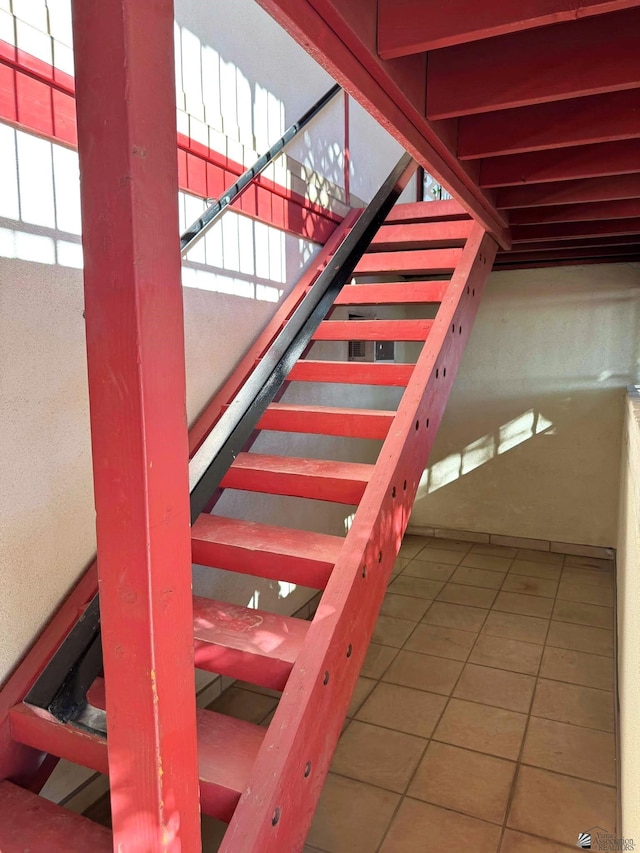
pixel 516 775
pixel 590 603
pixel 569 775
pixel 435 728
pixel 575 725
pixel 583 624
pixel 573 684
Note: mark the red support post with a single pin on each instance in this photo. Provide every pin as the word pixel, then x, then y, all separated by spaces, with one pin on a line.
pixel 135 349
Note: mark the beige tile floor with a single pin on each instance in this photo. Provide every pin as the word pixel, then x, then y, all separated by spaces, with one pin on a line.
pixel 483 719
pixel 484 716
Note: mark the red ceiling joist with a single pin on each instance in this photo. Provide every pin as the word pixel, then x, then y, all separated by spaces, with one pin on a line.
pixel 571 192
pixel 393 93
pixel 588 161
pixel 580 243
pixel 567 230
pixel 585 57
pixel 411 26
pixel 628 208
pixel 602 252
pixel 579 121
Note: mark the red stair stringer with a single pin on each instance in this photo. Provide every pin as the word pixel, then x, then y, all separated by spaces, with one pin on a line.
pixel 23 764
pixel 276 809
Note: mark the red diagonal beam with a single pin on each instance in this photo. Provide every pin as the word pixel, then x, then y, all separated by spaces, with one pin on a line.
pixel 342 38
pixel 275 812
pixel 626 209
pixel 135 350
pixel 579 121
pixel 571 192
pixel 411 26
pixel 588 161
pixel 569 60
pixel 569 230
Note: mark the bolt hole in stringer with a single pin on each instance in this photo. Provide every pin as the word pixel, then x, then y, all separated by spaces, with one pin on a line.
pixel 426 423
pixel 393 492
pixel 276 816
pixel 325 680
pixel 349 650
pixel 364 571
pixel 307 770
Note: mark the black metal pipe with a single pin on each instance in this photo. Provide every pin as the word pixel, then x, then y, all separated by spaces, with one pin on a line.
pixel 227 438
pixel 204 222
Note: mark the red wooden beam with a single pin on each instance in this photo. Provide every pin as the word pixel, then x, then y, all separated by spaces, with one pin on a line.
pixel 560 262
pixel 412 26
pixel 570 230
pixel 621 240
pixel 585 57
pixel 571 192
pixel 625 209
pixel 588 161
pixel 275 812
pixel 135 352
pixel 579 121
pixel 341 37
pixel 31 823
pixel 600 252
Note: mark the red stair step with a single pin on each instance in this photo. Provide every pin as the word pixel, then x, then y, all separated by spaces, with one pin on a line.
pixel 324 480
pixel 414 262
pixel 227 749
pixel 425 211
pixel 31 824
pixel 395 293
pixel 373 330
pixel 352 372
pixel 421 235
pixel 278 553
pixel 252 645
pixel 327 420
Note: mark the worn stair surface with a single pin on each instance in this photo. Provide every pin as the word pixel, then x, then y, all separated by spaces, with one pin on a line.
pixel 433 262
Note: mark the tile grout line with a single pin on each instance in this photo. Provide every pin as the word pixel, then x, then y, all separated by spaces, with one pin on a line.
pixel 430 740
pixel 516 775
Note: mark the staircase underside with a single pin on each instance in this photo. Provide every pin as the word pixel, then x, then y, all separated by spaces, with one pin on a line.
pixel 266 781
pixel 529 114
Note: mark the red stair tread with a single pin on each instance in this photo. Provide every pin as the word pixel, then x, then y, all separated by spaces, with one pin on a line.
pixel 351 372
pixel 320 479
pixel 426 211
pixel 395 293
pixel 227 749
pixel 373 330
pixel 411 262
pixel 421 235
pixel 252 645
pixel 327 420
pixel 31 824
pixel 264 550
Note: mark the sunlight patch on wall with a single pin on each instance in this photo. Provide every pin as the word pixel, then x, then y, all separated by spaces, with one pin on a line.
pixel 286 589
pixel 483 450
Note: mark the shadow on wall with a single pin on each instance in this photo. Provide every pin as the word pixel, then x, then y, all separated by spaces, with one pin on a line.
pixel 531 439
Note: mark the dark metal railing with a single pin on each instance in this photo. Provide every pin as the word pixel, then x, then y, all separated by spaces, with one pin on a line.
pixel 215 210
pixel 62 687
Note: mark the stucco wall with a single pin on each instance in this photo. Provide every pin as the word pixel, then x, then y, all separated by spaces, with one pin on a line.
pixel 530 441
pixel 242 80
pixel 628 591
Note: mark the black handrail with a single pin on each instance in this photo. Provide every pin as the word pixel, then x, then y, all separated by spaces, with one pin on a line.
pixel 63 685
pixel 215 210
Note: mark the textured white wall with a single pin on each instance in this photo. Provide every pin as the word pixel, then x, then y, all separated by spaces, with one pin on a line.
pixel 530 442
pixel 628 590
pixel 241 79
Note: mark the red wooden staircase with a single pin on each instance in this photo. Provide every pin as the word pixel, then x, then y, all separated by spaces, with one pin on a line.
pixel 266 781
